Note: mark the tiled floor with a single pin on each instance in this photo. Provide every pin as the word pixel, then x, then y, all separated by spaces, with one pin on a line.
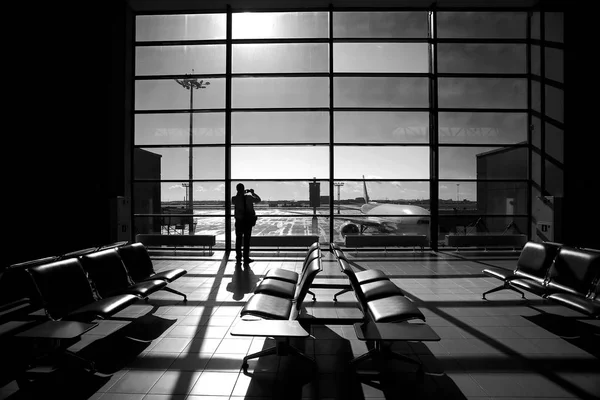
pixel 503 348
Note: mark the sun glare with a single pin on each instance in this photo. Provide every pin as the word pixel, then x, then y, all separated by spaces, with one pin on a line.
pixel 253 25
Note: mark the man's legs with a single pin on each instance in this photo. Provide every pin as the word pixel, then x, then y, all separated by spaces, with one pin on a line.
pixel 239 237
pixel 247 234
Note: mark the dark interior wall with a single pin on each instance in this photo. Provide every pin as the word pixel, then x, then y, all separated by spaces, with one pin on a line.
pixel 581 218
pixel 65 146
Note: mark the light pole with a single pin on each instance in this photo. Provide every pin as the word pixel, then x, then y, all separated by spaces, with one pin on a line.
pixel 186 185
pixel 190 84
pixel 338 185
pixel 457 197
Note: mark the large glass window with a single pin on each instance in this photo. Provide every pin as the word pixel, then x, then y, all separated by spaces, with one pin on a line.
pixel 357 121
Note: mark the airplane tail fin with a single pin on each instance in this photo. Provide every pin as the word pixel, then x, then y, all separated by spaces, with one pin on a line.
pixel 365 193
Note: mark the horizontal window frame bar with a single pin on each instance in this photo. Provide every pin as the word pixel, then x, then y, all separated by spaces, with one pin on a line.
pixel 346 109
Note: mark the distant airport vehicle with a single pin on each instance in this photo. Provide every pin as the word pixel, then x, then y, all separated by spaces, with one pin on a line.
pixel 387 218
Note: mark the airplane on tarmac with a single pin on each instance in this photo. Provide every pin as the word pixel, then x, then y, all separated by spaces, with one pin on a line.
pixel 387 218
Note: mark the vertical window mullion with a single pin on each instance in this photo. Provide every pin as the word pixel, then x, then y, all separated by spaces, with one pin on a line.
pixel 331 128
pixel 228 49
pixel 433 133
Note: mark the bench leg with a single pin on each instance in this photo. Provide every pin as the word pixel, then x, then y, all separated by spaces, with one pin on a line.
pixel 281 348
pixel 171 290
pixel 383 352
pixel 341 292
pixel 501 287
pixel 313 295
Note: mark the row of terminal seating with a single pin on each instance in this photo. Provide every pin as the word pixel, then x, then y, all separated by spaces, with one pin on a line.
pixel 280 295
pixel 82 287
pixel 562 274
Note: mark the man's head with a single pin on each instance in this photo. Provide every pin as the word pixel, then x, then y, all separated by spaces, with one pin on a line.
pixel 240 187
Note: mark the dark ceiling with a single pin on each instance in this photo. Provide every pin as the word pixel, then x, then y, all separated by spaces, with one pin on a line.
pixel 191 5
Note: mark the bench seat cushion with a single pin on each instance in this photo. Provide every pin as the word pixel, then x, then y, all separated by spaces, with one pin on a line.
pixel 370 275
pixel 283 275
pixel 267 306
pixel 499 273
pixel 378 289
pixel 529 285
pixel 394 309
pixel 103 308
pixel 276 287
pixel 168 275
pixel 578 303
pixel 146 288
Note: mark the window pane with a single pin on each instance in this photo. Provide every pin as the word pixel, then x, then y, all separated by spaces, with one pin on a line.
pixel 173 198
pixel 536 134
pixel 209 163
pixel 398 193
pixel 482 58
pixel 457 196
pixel 554 64
pixel 482 93
pixel 483 197
pixel 381 92
pixel 381 127
pixel 536 96
pixel 483 163
pixel 280 127
pixel 554 179
pixel 177 60
pixel 475 225
pixel 380 24
pixel 173 163
pixel 555 103
pixel 536 66
pixel 381 57
pixel 280 92
pixel 281 162
pixel 536 168
pixel 250 58
pixel 554 142
pixel 266 25
pixel 482 25
pixel 354 162
pixel 554 28
pixel 168 95
pixel 288 197
pixel 180 27
pixel 208 128
pixel 535 25
pixel 484 128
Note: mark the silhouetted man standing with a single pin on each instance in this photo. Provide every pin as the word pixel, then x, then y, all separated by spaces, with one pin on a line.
pixel 245 219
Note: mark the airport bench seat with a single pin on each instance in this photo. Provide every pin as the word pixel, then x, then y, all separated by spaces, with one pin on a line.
pixel 137 260
pixel 531 269
pixel 110 277
pixel 390 311
pixel 270 307
pixel 573 280
pixel 292 276
pixel 67 294
pixel 391 240
pixel 362 277
pixel 285 283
